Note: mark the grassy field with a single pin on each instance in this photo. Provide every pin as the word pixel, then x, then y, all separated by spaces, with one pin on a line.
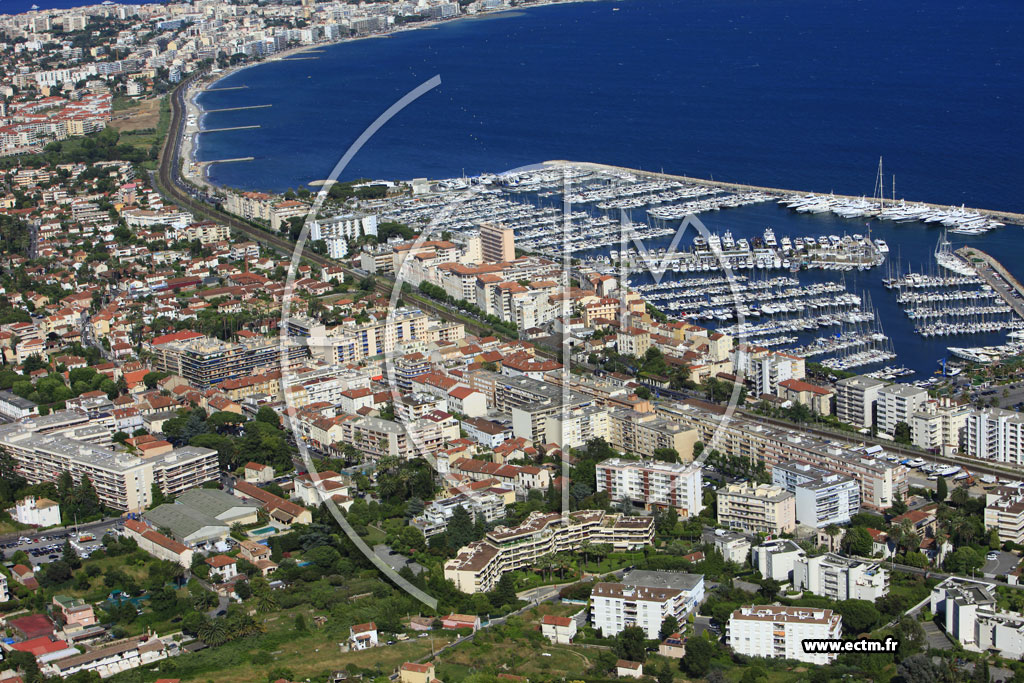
pixel 306 656
pixel 132 115
pixel 8 526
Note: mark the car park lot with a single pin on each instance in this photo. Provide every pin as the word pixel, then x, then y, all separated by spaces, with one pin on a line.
pixel 1000 563
pixel 47 546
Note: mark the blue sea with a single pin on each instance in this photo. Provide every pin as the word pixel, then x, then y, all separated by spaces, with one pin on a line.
pixel 797 94
pixel 21 6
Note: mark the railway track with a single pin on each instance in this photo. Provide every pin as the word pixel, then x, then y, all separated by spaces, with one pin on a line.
pixel 972 465
pixel 170 184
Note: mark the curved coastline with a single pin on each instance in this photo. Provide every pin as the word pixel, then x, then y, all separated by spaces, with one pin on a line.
pixel 190 149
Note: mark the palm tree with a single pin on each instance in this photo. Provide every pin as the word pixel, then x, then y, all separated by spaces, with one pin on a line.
pixel 960 496
pixel 214 632
pixel 265 602
pixel 906 534
pixel 586 547
pixel 242 625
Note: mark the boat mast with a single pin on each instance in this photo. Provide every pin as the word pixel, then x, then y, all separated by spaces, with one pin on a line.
pixel 880 185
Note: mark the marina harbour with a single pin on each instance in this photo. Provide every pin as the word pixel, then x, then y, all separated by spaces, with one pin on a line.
pixel 815 275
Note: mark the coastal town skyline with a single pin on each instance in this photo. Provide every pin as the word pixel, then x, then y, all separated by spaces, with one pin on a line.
pixel 318 364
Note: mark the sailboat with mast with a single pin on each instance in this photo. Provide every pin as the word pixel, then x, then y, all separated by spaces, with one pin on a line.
pixel 945 257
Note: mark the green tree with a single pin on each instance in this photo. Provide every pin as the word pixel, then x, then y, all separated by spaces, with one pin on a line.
pixel 910 635
pixel 857 541
pixel 964 560
pixel 69 556
pixel 669 626
pixel 157 494
pixel 460 528
pixel 859 616
pixel 267 415
pixel 697 659
pixel 631 644
pixel 941 489
pixel 901 433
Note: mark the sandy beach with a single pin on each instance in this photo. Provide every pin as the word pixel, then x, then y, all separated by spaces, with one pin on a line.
pixel 196 172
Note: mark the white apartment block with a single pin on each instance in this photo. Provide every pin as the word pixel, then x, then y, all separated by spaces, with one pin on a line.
pixel 435 516
pixel 856 398
pixel 645 599
pixel 574 428
pixel 778 632
pixel 753 509
pixel 653 484
pixel 1004 512
pixel 822 497
pixel 122 481
pixel 777 559
pixel 880 481
pixel 939 426
pixel 974 619
pixel 732 546
pixel 896 403
pixel 478 567
pixel 769 370
pixel 995 434
pixel 841 578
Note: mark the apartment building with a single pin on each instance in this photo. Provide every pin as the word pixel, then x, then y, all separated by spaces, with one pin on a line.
pixel 382 335
pixel 856 400
pixel 973 617
pixel 522 478
pixel 480 505
pixel 497 243
pixel 122 481
pixel 939 425
pixel 644 433
pixel 778 632
pixel 732 546
pixel 249 205
pixel 897 403
pixel 1004 512
pixel 479 565
pixel 205 361
pixel 822 497
pixel 645 599
pixel 379 438
pixel 573 429
pixel 777 559
pixel 768 371
pixel 995 434
pixel 880 481
pixel 757 509
pixel 817 398
pixel 531 402
pixel 841 578
pixel 207 232
pixel 652 484
pixel 15 407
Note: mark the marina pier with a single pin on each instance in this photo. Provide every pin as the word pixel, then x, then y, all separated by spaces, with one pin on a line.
pixel 252 106
pixel 996 276
pixel 222 130
pixel 233 87
pixel 1003 216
